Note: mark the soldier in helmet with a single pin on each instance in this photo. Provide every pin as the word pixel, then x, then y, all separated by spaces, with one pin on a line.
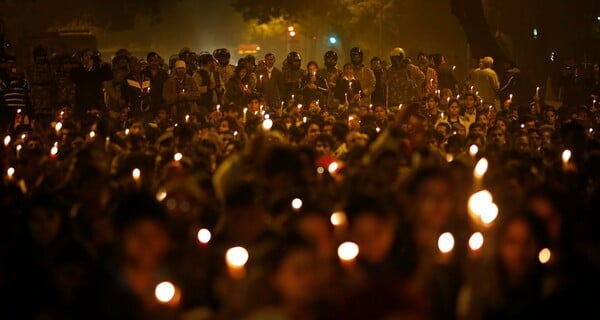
pixel 363 74
pixel 224 69
pixel 186 54
pixel 40 79
pixel 292 76
pixel 403 79
pixel 331 73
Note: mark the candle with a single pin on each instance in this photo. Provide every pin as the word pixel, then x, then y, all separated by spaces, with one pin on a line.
pixel 236 259
pixel 431 82
pixel 400 106
pixel 303 119
pixel 92 134
pixel 545 255
pixel 167 293
pixel 446 242
pixel 566 157
pixel 338 219
pixel 510 96
pixel 54 150
pixel 204 236
pixel 448 100
pixel 537 91
pixel 292 98
pixel 296 204
pixel 260 77
pixel 7 141
pixel 10 173
pixel 18 148
pixel 442 116
pixel 480 169
pixel 182 90
pixel 267 124
pixel 178 156
pixel 244 116
pixel 58 127
pixel 476 241
pixel 346 97
pixel 136 174
pixel 473 149
pixel 350 85
pixel 471 89
pixel 127 131
pixel 218 108
pixel 347 252
pixel 107 143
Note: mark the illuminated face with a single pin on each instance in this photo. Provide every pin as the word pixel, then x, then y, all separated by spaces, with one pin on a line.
pixel 470 102
pixel 312 69
pixel 376 65
pixel 501 125
pixel 374 235
pixel 432 104
pixel 243 73
pixel 551 117
pixel 453 109
pixel 254 105
pixel 322 148
pixel 380 113
pixel 313 132
pixel 270 61
pixel 517 248
pixel 327 129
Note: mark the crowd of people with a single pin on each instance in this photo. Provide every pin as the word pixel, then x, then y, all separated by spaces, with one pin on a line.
pixel 197 189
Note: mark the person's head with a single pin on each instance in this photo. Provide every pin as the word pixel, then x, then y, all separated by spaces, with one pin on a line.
pixel 313 129
pixel 443 128
pixel 353 121
pixel 397 55
pixel 269 60
pixel 324 145
pixel 422 59
pixel 180 68
pixel 312 67
pixel 356 56
pixel 227 124
pixel 154 61
pixel 330 58
pixel 142 229
pixel 250 62
pixel 372 228
pixel 293 268
pixel 487 62
pixel 460 129
pixel 328 128
pixel 241 72
pixel 496 136
pixel 483 119
pixel 470 101
pixel 500 124
pixel 294 60
pixel 380 112
pixel 477 128
pixel 535 138
pixel 356 139
pixel 222 55
pixel 433 101
pixel 453 108
pixel 348 70
pixel 546 132
pixel 518 245
pixel 206 60
pixel 376 63
pixel 551 118
pixel 253 103
pixel 522 144
pixel 88 57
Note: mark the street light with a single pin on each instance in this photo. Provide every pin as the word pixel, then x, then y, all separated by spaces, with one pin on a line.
pixel 332 40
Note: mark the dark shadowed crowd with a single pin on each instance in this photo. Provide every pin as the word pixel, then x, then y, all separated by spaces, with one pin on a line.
pixel 192 188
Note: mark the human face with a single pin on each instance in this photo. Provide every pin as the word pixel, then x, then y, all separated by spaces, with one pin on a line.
pixel 374 235
pixel 312 132
pixel 498 136
pixel 453 109
pixel 550 117
pixel 353 122
pixel 296 278
pixel 312 69
pixel 517 248
pixel 243 73
pixel 432 104
pixel 470 102
pixel 348 72
pixel 327 129
pixel 254 105
pixel 376 65
pixel 501 125
pixel 356 59
pixel 380 113
pixel 322 148
pixel 270 61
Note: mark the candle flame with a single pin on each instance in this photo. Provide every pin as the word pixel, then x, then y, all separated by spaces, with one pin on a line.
pixel 348 251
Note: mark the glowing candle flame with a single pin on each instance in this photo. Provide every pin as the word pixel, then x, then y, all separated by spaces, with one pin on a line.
pixel 338 218
pixel 476 241
pixel 236 257
pixel 164 292
pixel 348 251
pixel 204 236
pixel 446 242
